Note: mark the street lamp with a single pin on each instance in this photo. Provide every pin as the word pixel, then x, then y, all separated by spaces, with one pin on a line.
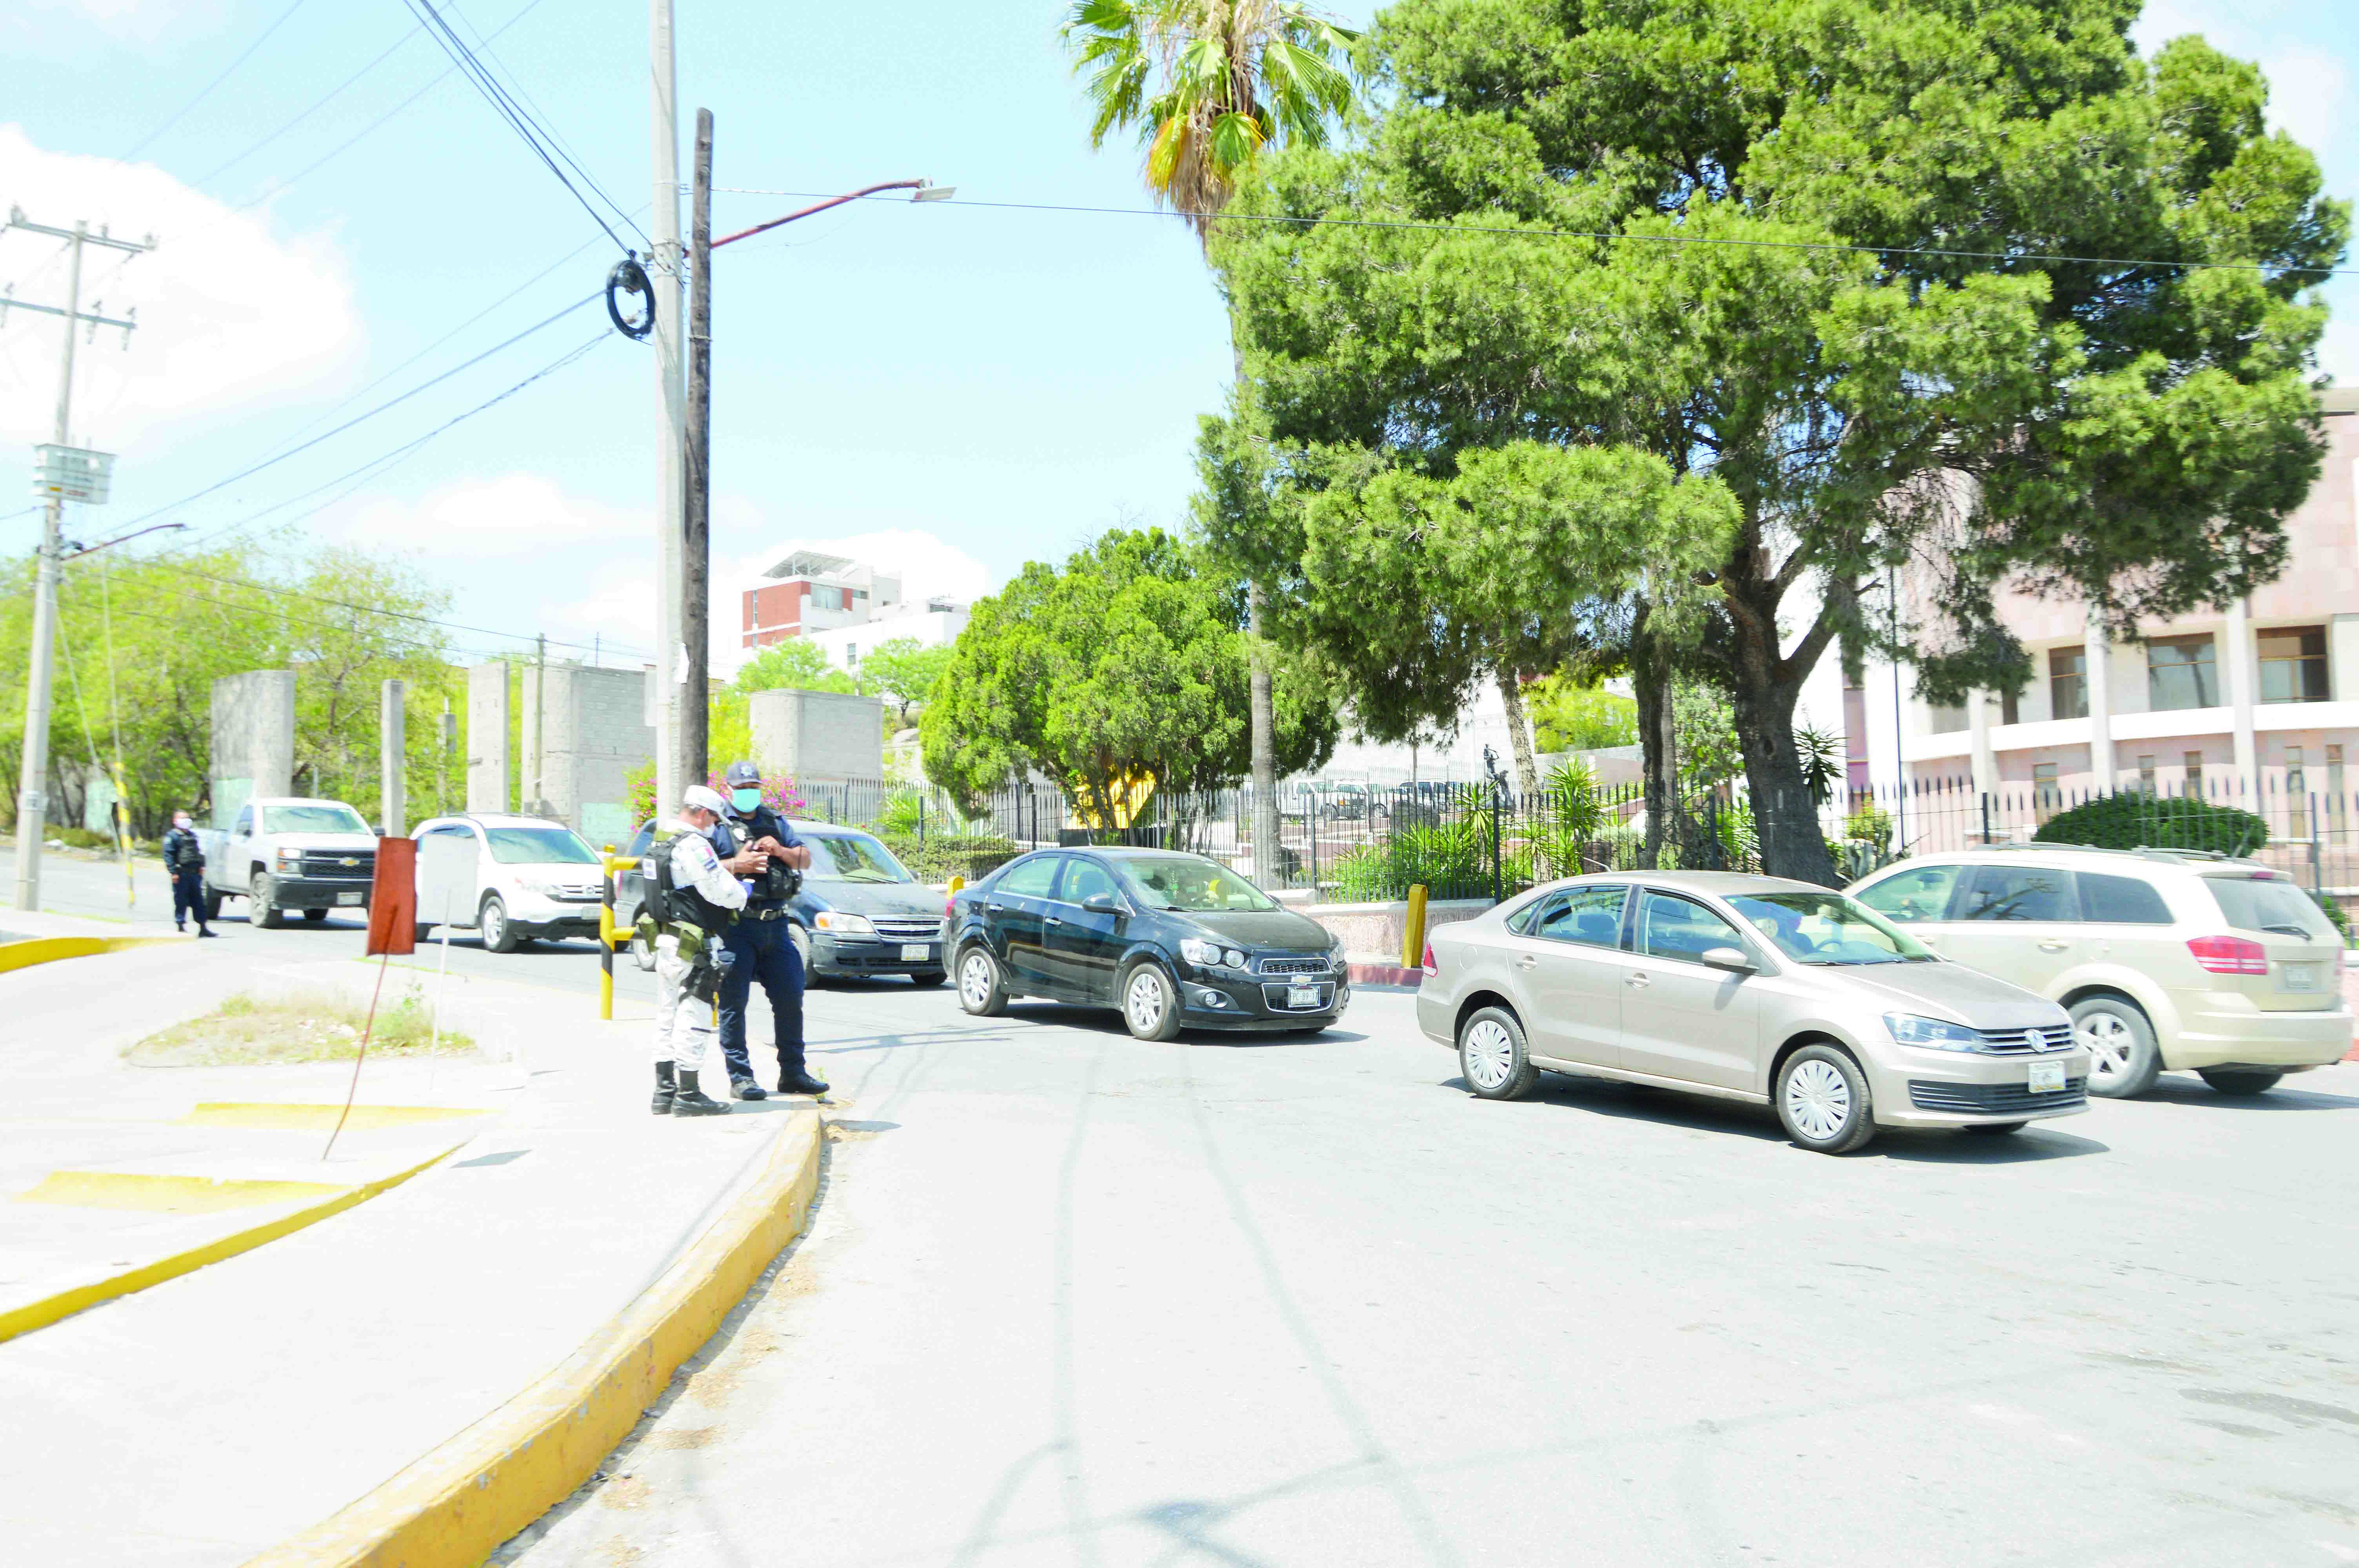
pixel 920 190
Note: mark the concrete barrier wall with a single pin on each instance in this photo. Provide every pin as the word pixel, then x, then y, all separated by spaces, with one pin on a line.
pixel 252 740
pixel 817 737
pixel 1369 930
pixel 488 773
pixel 590 733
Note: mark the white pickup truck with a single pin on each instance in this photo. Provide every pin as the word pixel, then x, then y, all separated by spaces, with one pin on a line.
pixel 284 853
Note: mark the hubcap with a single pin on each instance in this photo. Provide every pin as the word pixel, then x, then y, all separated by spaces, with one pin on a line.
pixel 974 979
pixel 2108 1041
pixel 494 917
pixel 1490 1055
pixel 1818 1100
pixel 1144 999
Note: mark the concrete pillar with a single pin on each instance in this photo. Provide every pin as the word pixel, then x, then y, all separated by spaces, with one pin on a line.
pixel 592 732
pixel 2097 660
pixel 1978 739
pixel 2243 690
pixel 393 762
pixel 252 740
pixel 817 737
pixel 488 775
pixel 532 782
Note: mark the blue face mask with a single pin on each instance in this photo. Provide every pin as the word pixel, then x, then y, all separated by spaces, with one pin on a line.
pixel 745 799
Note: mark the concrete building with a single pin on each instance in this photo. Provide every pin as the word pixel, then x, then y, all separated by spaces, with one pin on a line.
pixel 2257 700
pixel 810 593
pixel 580 746
pixel 937 624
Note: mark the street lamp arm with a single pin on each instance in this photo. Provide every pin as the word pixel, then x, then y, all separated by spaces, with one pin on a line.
pixel 821 207
pixel 94 549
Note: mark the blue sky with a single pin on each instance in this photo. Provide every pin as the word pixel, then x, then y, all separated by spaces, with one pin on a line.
pixel 953 389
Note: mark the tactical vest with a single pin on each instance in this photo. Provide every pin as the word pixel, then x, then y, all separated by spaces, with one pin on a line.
pixel 670 905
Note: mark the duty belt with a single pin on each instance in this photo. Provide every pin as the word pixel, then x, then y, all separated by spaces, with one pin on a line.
pixel 765 912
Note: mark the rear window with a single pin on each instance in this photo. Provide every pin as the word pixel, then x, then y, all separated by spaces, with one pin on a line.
pixel 2121 901
pixel 2272 906
pixel 2021 893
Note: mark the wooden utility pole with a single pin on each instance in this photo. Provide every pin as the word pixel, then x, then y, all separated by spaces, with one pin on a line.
pixel 663 275
pixel 696 532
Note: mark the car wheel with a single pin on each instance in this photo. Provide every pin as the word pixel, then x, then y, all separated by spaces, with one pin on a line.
pixel 1148 1006
pixel 1994 1128
pixel 1492 1057
pixel 801 939
pixel 315 915
pixel 641 954
pixel 261 911
pixel 2239 1080
pixel 2123 1060
pixel 1823 1100
pixel 420 934
pixel 982 989
pixel 926 979
pixel 499 932
pixel 212 906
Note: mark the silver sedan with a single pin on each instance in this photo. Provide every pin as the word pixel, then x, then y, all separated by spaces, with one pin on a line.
pixel 1752 989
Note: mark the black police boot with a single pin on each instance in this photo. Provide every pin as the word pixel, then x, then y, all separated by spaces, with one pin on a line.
pixel 800 1082
pixel 666 1087
pixel 689 1100
pixel 744 1087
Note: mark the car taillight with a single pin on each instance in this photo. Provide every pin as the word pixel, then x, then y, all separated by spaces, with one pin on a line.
pixel 2230 954
pixel 1431 966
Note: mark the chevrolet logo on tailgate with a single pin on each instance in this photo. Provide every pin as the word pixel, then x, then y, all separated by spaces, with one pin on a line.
pixel 348 860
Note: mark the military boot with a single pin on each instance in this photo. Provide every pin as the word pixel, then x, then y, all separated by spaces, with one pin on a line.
pixel 689 1101
pixel 666 1087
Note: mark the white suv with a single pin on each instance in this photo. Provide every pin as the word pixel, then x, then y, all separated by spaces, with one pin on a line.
pixel 531 877
pixel 2165 958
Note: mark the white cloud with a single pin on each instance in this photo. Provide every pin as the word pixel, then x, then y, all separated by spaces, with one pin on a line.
pixel 229 314
pixel 2307 95
pixel 135 19
pixel 516 516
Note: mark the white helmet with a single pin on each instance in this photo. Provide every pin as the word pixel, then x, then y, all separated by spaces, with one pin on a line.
pixel 701 798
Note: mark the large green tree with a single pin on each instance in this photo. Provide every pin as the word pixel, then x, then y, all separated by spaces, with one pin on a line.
pixel 1127 668
pixel 1821 250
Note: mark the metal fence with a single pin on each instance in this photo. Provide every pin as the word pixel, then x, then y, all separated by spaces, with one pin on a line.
pixel 1345 843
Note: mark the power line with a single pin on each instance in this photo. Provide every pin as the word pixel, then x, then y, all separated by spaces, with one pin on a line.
pixel 227 72
pixel 547 125
pixel 1902 251
pixel 523 125
pixel 332 93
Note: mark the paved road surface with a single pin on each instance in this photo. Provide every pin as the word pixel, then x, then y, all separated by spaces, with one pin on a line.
pixel 1075 1299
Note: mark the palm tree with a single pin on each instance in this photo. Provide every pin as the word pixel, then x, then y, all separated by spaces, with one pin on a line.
pixel 1206 85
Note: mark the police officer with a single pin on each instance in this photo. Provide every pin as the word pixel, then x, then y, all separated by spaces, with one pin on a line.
pixel 761 947
pixel 691 903
pixel 184 861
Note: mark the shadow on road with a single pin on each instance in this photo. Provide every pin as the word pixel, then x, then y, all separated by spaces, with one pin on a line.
pixel 2182 1091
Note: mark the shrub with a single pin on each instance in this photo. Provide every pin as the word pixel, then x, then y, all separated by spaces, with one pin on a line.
pixel 1450 862
pixel 2336 913
pixel 2133 821
pixel 943 857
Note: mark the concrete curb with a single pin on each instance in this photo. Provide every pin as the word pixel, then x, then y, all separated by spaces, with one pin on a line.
pixel 1387 975
pixel 65 1303
pixel 458 1503
pixel 47 949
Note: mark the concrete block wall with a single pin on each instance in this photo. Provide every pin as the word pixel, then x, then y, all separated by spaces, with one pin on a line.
pixel 252 740
pixel 1374 931
pixel 488 771
pixel 818 737
pixel 582 735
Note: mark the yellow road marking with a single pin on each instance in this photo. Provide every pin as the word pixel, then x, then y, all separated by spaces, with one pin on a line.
pixel 320 1117
pixel 167 1194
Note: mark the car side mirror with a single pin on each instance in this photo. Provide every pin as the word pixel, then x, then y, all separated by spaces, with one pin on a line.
pixel 1732 960
pixel 1102 904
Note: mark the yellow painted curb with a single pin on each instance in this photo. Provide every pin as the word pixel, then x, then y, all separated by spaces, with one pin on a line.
pixel 45 949
pixel 457 1504
pixel 167 1194
pixel 65 1303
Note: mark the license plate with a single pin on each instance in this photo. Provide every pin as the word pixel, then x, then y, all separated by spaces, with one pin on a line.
pixel 348 898
pixel 2047 1078
pixel 2297 977
pixel 1302 996
pixel 916 952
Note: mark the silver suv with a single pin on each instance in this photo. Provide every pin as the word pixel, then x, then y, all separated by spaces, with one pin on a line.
pixel 2165 958
pixel 1751 988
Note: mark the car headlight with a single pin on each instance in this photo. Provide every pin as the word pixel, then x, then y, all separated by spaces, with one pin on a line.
pixel 1196 951
pixel 844 925
pixel 1932 1034
pixel 1234 959
pixel 289 860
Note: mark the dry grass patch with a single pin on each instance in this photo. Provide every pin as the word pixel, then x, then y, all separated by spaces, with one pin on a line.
pixel 304 1026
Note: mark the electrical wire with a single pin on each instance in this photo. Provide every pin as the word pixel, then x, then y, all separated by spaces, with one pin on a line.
pixel 230 70
pixel 543 120
pixel 523 123
pixel 1900 251
pixel 332 95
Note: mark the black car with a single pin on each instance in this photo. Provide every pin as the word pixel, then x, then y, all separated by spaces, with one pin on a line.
pixel 860 912
pixel 1168 939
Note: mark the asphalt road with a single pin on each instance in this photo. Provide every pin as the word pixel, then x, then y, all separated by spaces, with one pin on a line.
pixel 1073 1299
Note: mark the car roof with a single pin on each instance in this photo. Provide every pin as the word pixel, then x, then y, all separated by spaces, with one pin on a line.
pixel 1718 884
pixel 2192 861
pixel 500 820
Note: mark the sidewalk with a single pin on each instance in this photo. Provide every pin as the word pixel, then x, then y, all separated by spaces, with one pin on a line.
pixel 205 1419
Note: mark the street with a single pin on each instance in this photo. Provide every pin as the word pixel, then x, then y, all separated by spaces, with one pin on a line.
pixel 1071 1298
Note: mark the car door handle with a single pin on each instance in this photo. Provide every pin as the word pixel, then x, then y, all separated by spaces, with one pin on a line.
pixel 1641 979
pixel 1050 920
pixel 998 909
pixel 1527 962
pixel 2053 945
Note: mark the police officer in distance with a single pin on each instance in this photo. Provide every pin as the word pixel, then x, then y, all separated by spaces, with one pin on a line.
pixel 690 903
pixel 761 947
pixel 184 861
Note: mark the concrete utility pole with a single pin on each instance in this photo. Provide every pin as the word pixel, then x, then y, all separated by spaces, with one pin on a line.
pixel 664 276
pixel 392 761
pixel 539 803
pixel 32 797
pixel 695 546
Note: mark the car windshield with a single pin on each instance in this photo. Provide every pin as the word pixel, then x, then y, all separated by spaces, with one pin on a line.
pixel 539 846
pixel 1186 882
pixel 852 857
pixel 1826 928
pixel 326 818
pixel 2251 904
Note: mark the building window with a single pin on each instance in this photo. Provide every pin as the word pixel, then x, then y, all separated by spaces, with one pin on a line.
pixel 852 656
pixel 2293 664
pixel 2145 775
pixel 2194 764
pixel 2010 708
pixel 2044 800
pixel 2068 683
pixel 2335 820
pixel 826 598
pixel 2180 672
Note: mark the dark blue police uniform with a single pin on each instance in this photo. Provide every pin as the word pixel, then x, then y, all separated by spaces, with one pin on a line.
pixel 759 947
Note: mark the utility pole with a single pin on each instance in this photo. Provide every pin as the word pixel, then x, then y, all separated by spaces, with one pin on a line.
pixel 392 760
pixel 696 542
pixel 664 278
pixel 32 797
pixel 540 807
